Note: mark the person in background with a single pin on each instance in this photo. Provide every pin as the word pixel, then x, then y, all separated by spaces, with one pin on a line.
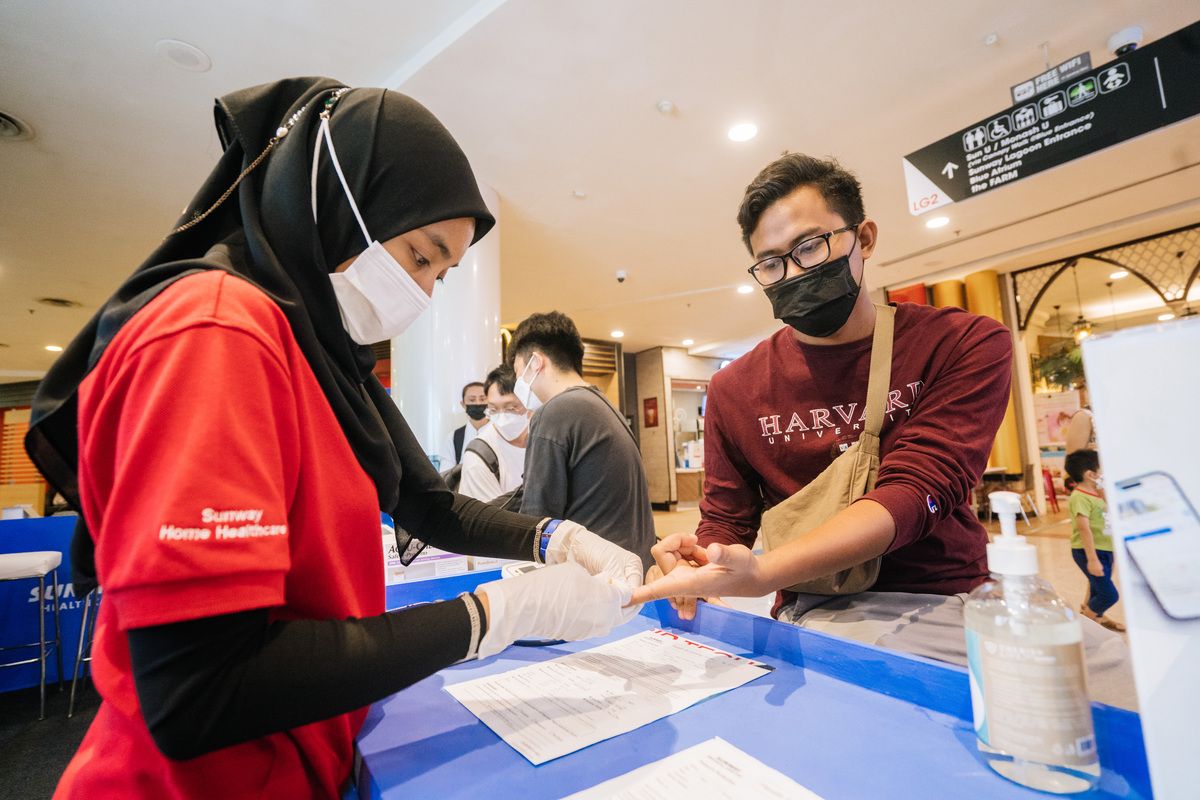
pixel 218 427
pixel 499 468
pixel 1091 541
pixel 778 417
pixel 474 402
pixel 581 461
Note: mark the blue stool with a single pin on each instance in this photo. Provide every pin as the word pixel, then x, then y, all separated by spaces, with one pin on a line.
pixel 27 566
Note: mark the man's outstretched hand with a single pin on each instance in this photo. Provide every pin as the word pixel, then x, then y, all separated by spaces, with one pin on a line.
pixel 684 571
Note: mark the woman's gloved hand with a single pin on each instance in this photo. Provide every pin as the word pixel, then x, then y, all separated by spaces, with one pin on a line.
pixel 556 602
pixel 573 542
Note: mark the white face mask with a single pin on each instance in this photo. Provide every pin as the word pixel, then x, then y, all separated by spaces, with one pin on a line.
pixel 509 425
pixel 524 388
pixel 376 295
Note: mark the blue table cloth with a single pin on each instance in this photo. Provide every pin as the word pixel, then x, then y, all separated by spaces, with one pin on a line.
pixel 845 719
pixel 18 618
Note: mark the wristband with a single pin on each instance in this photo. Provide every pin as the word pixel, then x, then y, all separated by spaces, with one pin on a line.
pixel 478 623
pixel 547 532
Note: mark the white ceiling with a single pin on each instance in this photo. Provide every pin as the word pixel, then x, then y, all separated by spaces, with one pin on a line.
pixel 551 97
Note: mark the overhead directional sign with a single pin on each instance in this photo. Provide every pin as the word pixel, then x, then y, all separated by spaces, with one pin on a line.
pixel 1135 94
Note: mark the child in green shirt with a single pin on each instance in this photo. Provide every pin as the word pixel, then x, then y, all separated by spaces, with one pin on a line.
pixel 1091 543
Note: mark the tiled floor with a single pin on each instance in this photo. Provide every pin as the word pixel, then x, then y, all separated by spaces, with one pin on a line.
pixel 1050 535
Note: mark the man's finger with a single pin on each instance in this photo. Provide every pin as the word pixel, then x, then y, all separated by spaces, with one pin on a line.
pixel 673 585
pixel 687 607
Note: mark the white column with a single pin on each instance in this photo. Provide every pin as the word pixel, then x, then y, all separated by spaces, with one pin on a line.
pixel 1023 395
pixel 457 340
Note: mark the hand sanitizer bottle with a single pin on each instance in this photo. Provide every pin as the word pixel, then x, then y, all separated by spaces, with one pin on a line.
pixel 1025 658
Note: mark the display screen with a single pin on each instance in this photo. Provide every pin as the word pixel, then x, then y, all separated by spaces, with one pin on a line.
pixel 1163 538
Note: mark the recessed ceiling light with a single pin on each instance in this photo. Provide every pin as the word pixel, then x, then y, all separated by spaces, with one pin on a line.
pixel 743 132
pixel 53 348
pixel 58 302
pixel 13 129
pixel 617 334
pixel 1116 276
pixel 664 106
pixel 688 342
pixel 937 222
pixel 1165 317
pixel 745 288
pixel 183 55
pixel 578 194
pixel 991 39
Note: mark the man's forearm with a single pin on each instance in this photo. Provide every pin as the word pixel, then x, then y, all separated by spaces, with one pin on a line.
pixel 854 535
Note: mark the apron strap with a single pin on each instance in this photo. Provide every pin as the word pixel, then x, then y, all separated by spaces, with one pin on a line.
pixel 881 370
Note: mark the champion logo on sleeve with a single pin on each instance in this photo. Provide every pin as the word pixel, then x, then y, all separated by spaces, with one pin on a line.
pixel 929 501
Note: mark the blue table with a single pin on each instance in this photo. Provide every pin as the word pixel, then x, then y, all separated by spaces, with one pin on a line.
pixel 846 720
pixel 18 622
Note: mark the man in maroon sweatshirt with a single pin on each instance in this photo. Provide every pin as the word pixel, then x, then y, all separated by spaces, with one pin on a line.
pixel 777 417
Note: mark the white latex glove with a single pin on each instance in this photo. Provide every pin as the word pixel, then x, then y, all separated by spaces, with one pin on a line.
pixel 573 542
pixel 558 602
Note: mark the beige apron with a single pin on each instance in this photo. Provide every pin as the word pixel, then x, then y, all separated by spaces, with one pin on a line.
pixel 849 477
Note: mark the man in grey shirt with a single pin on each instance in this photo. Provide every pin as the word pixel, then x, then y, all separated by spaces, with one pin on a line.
pixel 581 461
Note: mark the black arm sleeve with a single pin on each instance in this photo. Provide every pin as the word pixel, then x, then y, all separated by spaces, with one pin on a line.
pixel 210 683
pixel 478 529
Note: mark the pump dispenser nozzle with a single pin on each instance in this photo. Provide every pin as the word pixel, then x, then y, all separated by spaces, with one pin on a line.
pixel 1008 553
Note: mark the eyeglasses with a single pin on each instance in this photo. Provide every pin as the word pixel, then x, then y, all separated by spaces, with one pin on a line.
pixel 809 254
pixel 509 408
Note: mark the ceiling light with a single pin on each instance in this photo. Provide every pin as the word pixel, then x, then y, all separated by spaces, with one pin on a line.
pixel 53 348
pixel 937 222
pixel 991 39
pixel 578 194
pixel 743 132
pixel 1116 276
pixel 13 129
pixel 664 106
pixel 688 342
pixel 58 302
pixel 1081 329
pixel 183 55
pixel 1161 318
pixel 745 288
pixel 617 334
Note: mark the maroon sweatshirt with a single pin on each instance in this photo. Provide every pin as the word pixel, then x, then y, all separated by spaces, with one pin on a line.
pixel 780 414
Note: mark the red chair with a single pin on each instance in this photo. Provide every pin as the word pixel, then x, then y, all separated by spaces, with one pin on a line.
pixel 1051 497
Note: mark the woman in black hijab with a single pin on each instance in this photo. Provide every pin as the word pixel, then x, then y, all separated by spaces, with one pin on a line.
pixel 218 428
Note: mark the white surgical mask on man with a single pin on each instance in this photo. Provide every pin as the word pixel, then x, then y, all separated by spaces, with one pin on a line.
pixel 510 425
pixel 524 386
pixel 376 295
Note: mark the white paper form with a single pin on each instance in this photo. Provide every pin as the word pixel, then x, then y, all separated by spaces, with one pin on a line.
pixel 712 770
pixel 549 709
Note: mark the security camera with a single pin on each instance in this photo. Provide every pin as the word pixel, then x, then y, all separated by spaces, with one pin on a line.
pixel 1125 41
pixel 622 275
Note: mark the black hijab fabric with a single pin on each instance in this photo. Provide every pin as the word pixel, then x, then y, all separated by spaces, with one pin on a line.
pixel 405 171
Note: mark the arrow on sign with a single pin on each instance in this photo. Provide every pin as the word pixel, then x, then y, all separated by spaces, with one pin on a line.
pixel 948 170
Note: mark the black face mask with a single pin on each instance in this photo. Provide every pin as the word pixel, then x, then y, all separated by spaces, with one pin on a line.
pixel 817 302
pixel 476 411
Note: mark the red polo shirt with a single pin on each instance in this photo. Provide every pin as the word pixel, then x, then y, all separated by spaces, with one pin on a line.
pixel 778 416
pixel 216 479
